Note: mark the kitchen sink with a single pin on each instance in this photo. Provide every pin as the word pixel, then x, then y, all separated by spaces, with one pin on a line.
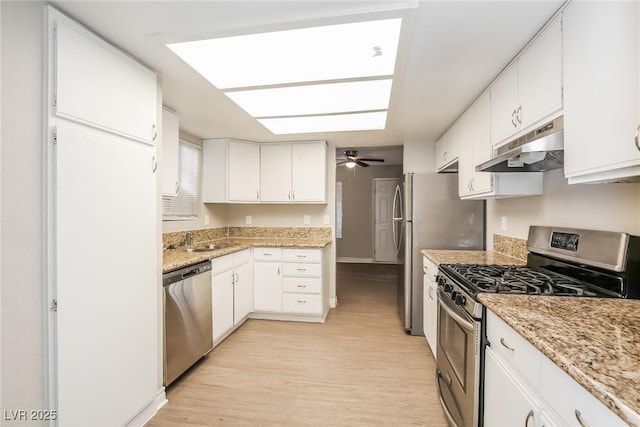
pixel 210 247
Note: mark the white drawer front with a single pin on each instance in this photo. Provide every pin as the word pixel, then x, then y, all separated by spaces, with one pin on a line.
pixel 221 264
pixel 566 397
pixel 429 268
pixel 302 269
pixel 312 285
pixel 302 303
pixel 267 254
pixel 302 255
pixel 513 348
pixel 241 257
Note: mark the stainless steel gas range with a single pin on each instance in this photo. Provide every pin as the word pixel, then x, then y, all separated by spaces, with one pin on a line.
pixel 561 262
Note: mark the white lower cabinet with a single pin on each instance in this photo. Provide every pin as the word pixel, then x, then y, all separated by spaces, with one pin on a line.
pixel 524 387
pixel 507 401
pixel 430 304
pixel 231 292
pixel 289 281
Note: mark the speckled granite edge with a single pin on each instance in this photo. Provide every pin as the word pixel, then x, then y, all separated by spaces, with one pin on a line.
pixel 173 259
pixel 205 235
pixel 594 340
pixel 469 257
pixel 510 246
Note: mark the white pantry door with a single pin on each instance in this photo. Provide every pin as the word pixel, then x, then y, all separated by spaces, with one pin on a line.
pixel 106 277
pixel 384 248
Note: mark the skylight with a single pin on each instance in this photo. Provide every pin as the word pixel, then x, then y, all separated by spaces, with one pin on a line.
pixel 308 75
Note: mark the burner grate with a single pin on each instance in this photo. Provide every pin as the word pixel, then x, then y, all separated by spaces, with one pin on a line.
pixel 516 280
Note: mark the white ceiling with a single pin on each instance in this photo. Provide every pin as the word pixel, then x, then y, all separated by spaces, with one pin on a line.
pixel 450 51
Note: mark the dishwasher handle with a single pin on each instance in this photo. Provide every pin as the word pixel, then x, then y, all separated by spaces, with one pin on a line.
pixel 185 273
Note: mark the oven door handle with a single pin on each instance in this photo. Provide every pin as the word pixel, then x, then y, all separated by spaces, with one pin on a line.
pixel 442 403
pixel 465 323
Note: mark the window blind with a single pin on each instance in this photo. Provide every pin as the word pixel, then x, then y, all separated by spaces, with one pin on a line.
pixel 184 205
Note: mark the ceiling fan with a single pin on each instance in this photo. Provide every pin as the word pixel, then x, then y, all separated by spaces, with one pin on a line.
pixel 351 160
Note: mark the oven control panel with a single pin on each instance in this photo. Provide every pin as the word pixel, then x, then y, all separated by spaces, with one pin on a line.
pixel 566 241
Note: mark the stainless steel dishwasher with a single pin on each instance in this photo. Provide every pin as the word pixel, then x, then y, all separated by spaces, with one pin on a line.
pixel 188 331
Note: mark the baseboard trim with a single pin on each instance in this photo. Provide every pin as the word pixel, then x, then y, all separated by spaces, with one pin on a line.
pixel 333 302
pixel 148 412
pixel 353 260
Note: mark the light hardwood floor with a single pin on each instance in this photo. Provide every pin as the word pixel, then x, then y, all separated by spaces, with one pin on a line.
pixel 357 369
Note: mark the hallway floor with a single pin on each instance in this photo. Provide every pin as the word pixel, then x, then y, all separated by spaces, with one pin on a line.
pixel 357 369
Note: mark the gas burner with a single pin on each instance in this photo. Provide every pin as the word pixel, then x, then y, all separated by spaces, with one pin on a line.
pixel 514 280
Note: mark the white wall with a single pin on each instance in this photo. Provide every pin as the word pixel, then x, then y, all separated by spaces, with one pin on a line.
pixel 217 213
pixel 22 176
pixel 419 157
pixel 614 207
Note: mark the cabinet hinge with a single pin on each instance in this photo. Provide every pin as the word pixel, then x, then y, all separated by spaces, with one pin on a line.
pixel 54 305
pixel 55 137
pixel 562 93
pixel 55 100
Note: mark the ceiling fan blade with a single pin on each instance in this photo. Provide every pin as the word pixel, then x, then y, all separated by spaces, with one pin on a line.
pixel 361 163
pixel 341 163
pixel 372 160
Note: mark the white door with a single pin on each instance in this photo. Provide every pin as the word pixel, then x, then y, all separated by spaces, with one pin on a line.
pixel 106 327
pixel 242 292
pixel 384 248
pixel 222 303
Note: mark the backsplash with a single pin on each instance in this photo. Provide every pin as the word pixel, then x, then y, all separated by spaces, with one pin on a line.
pixel 211 234
pixel 510 246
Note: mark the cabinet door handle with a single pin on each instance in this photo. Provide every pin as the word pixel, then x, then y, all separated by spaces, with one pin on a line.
pixel 302 302
pixel 513 118
pixel 293 194
pixel 301 256
pixel 519 114
pixel 444 156
pixel 154 132
pixel 301 269
pixel 505 344
pixel 154 164
pixel 529 416
pixel 636 137
pixel 177 187
pixel 581 421
pixel 278 271
pixel 302 286
pixel 257 194
pixel 289 196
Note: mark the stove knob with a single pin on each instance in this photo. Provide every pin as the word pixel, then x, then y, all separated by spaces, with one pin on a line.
pixel 454 295
pixel 448 288
pixel 460 299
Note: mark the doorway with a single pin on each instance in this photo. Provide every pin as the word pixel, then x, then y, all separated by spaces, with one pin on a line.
pixel 384 247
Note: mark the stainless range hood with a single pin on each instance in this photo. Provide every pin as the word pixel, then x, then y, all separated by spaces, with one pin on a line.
pixel 540 150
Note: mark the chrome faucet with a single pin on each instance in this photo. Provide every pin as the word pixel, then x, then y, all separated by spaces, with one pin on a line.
pixel 188 238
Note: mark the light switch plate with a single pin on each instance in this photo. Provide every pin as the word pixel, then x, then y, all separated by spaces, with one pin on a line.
pixel 503 223
pixel 206 220
pixel 248 220
pixel 307 220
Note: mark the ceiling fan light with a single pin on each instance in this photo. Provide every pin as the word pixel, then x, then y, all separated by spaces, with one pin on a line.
pixel 350 164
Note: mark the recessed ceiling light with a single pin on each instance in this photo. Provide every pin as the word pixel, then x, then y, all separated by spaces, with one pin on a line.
pixel 329 123
pixel 365 95
pixel 304 80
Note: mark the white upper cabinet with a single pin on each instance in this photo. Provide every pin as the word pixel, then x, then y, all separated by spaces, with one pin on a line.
pixel 447 149
pixel 169 167
pixel 309 172
pixel 529 91
pixel 84 65
pixel 602 91
pixel 474 138
pixel 275 173
pixel 244 171
pixel 231 171
pixel 293 172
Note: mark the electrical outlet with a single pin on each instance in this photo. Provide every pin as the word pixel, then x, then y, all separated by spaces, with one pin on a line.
pixel 307 220
pixel 503 223
pixel 206 220
pixel 325 219
pixel 248 220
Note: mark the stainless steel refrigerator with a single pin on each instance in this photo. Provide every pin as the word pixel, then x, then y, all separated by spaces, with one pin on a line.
pixel 428 214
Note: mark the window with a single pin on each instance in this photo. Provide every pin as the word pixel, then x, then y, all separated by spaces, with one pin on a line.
pixel 339 210
pixel 184 205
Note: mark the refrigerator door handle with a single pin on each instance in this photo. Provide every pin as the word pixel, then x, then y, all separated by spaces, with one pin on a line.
pixel 397 197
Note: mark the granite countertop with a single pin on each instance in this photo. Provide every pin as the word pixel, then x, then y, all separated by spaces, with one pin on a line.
pixel 594 340
pixel 469 257
pixel 176 258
